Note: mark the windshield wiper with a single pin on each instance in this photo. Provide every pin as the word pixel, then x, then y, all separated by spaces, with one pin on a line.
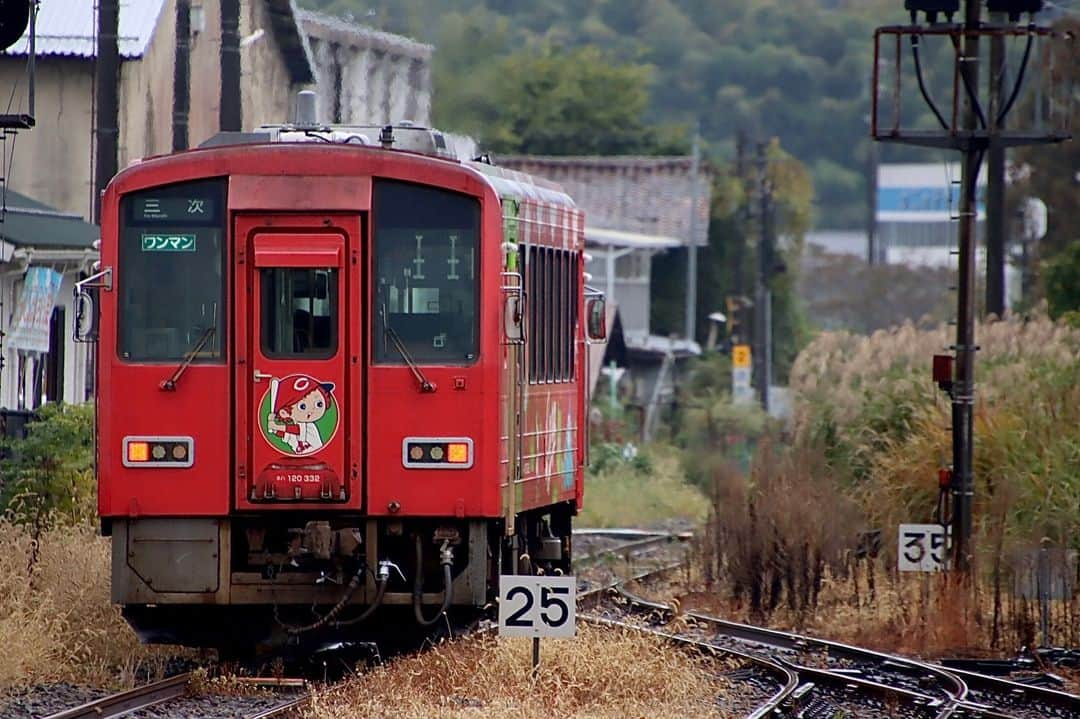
pixel 169 385
pixel 395 339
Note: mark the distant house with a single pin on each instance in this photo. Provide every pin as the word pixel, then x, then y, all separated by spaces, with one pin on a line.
pixel 360 75
pixel 634 208
pixel 366 76
pixel 53 162
pixel 43 252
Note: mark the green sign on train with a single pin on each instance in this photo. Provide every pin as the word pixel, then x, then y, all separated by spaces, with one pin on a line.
pixel 168 243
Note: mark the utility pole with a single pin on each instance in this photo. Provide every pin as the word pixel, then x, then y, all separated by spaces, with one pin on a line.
pixel 106 80
pixel 996 224
pixel 963 399
pixel 963 127
pixel 762 296
pixel 737 256
pixel 182 76
pixel 691 256
pixel 230 113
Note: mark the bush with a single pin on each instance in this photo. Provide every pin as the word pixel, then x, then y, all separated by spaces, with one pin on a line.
pixel 49 475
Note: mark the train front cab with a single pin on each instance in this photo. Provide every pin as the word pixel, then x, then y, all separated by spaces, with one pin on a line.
pixel 313 407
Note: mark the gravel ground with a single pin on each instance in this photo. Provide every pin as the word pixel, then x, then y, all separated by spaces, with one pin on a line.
pixel 45 699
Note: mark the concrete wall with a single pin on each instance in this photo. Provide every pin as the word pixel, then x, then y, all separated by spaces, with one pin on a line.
pixel 267 90
pixel 52 161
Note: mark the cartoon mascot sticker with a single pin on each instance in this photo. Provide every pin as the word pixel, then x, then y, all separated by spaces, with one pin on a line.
pixel 301 415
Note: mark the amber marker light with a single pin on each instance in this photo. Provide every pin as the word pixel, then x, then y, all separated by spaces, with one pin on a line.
pixel 138 451
pixel 457 453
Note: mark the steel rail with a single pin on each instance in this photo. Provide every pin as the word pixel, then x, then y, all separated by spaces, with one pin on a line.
pixel 121 703
pixel 638 544
pixel 1063 703
pixel 952 686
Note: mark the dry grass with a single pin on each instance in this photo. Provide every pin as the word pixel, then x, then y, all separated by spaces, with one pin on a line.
pixel 56 619
pixel 600 673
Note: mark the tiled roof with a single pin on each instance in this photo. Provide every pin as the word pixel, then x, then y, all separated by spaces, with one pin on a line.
pixel 321 26
pixel 29 223
pixel 642 195
pixel 66 27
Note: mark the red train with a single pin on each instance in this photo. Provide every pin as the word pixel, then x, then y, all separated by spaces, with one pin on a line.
pixel 340 374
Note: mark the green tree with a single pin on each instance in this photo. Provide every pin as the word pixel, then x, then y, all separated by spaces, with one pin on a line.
pixel 578 102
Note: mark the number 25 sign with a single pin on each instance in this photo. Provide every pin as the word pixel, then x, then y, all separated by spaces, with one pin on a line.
pixel 536 606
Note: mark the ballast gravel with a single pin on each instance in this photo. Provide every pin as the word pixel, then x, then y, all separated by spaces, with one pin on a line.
pixel 45 699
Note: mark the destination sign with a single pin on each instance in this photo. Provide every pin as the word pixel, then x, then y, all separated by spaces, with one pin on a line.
pixel 168 207
pixel 168 243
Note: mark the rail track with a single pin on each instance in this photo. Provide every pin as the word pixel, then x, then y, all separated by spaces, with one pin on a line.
pixel 771 673
pixel 173 697
pixel 792 675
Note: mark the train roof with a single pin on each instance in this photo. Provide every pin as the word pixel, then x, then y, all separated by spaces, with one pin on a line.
pixel 406 138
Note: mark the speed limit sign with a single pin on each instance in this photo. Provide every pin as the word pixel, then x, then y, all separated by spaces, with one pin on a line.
pixel 536 606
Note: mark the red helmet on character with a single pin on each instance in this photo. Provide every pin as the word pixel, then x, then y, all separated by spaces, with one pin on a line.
pixel 294 388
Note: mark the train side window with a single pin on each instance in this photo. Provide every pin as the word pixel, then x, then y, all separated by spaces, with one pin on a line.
pixel 299 312
pixel 575 295
pixel 557 310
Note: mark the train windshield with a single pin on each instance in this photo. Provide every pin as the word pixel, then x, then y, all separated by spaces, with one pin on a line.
pixel 170 282
pixel 426 258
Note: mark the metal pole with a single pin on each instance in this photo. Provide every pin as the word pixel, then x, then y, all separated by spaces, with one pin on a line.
pixel 873 252
pixel 107 79
pixel 767 359
pixel 691 257
pixel 963 401
pixel 536 658
pixel 996 226
pixel 31 61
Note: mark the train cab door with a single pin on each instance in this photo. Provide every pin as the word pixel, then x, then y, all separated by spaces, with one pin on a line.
pixel 294 395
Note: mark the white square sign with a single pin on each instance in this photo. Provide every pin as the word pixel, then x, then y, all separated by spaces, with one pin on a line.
pixel 537 606
pixel 922 548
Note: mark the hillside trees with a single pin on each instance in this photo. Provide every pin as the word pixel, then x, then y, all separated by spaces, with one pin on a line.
pixel 793 69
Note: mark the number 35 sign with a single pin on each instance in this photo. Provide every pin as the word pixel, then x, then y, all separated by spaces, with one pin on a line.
pixel 922 548
pixel 536 606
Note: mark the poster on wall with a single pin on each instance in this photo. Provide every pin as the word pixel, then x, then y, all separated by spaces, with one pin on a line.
pixel 30 325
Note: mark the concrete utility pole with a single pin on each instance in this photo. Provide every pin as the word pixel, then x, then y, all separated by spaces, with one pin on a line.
pixel 996 225
pixel 762 346
pixel 106 80
pixel 963 399
pixel 691 256
pixel 182 76
pixel 230 115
